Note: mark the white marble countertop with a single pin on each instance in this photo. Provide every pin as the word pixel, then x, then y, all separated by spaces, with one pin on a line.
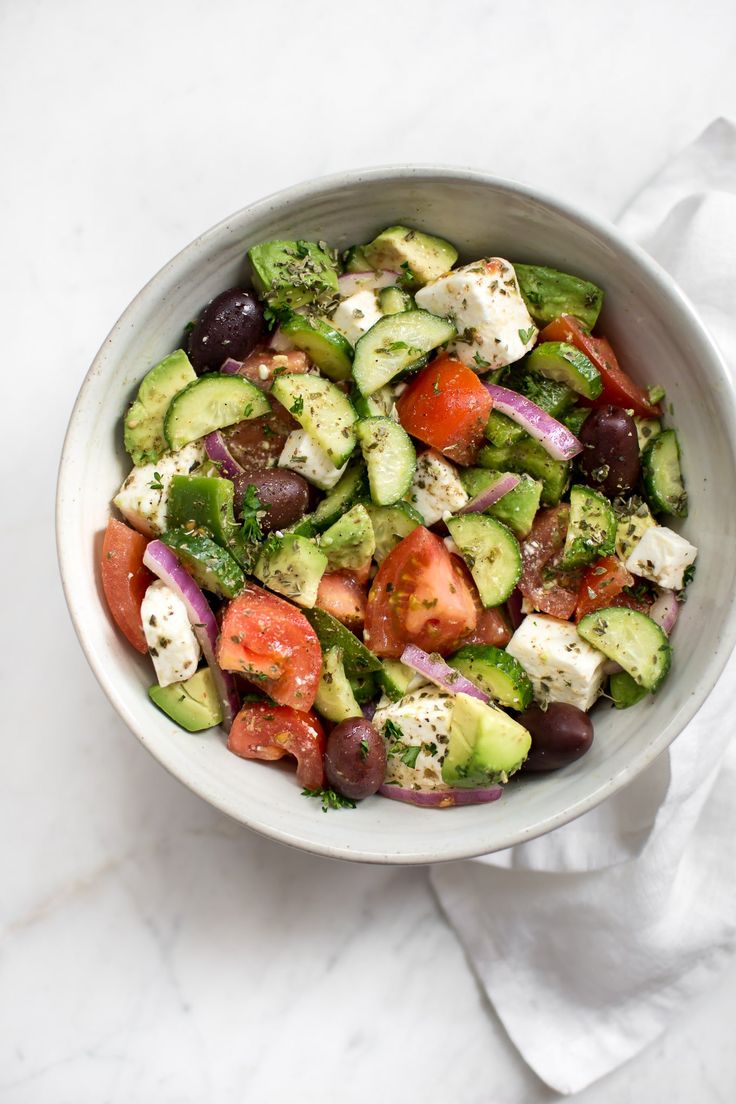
pixel 150 949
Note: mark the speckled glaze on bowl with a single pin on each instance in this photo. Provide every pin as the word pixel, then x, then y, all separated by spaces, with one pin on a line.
pixel 659 337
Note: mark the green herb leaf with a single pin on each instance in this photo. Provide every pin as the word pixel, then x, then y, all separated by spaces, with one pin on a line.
pixel 156 484
pixel 481 362
pixel 392 731
pixel 297 406
pixel 526 335
pixel 409 755
pixel 364 749
pixel 407 276
pixel 330 799
pixel 250 509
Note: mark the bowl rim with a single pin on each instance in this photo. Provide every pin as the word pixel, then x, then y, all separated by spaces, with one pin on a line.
pixel 294 195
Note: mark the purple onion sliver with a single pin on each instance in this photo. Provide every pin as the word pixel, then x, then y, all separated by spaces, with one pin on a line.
pixel 351 282
pixel 369 710
pixel 159 559
pixel 665 611
pixel 434 668
pixel 491 494
pixel 231 367
pixel 556 438
pixel 219 453
pixel 441 799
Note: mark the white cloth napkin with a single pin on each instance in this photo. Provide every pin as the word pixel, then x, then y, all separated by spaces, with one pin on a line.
pixel 589 940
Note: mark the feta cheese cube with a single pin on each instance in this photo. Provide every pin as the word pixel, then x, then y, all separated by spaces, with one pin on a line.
pixel 491 318
pixel 143 497
pixel 423 720
pixel 662 556
pixel 303 455
pixel 356 314
pixel 436 490
pixel 561 665
pixel 172 645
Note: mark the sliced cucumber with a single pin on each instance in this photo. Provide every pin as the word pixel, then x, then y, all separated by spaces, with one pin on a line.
pixel 591 530
pixel 357 659
pixel 496 672
pixel 209 565
pixel 209 403
pixel 347 491
pixel 529 456
pixel 391 524
pixel 350 542
pixel 395 678
pixel 364 687
pixel 624 691
pixel 557 360
pixel 501 431
pixel 378 404
pixel 662 473
pixel 389 457
pixel 322 410
pixel 394 344
pixel 355 260
pixel 574 418
pixel 394 300
pixel 325 347
pixel 549 293
pixel 335 698
pixel 632 640
pixel 292 566
pixel 517 508
pixel 492 553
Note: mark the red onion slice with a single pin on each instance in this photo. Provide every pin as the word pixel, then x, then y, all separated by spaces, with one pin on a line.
pixel 162 562
pixel 351 282
pixel 434 668
pixel 218 452
pixel 665 611
pixel 491 494
pixel 368 710
pixel 231 367
pixel 556 438
pixel 441 799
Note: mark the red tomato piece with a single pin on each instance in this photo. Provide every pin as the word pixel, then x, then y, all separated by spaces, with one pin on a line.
pixel 601 584
pixel 270 642
pixel 491 626
pixel 341 594
pixel 447 406
pixel 618 387
pixel 125 580
pixel 265 731
pixel 549 593
pixel 419 596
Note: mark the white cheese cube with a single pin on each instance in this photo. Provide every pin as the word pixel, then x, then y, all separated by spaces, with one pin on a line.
pixel 143 497
pixel 663 556
pixel 483 299
pixel 561 665
pixel 436 490
pixel 303 455
pixel 423 718
pixel 172 645
pixel 356 314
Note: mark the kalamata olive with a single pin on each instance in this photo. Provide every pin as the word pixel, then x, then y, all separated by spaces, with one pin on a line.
pixel 355 758
pixel 561 733
pixel 610 456
pixel 283 494
pixel 230 326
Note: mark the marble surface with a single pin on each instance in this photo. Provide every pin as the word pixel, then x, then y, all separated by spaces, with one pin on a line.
pixel 149 948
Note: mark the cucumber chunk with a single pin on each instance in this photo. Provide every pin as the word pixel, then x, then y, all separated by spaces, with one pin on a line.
pixel 624 691
pixel 355 260
pixel 144 422
pixel 591 530
pixel 549 293
pixel 380 403
pixel 528 456
pixel 662 473
pixel 396 343
pixel 209 403
pixel 325 347
pixel 390 525
pixel 394 300
pixel 209 565
pixel 517 508
pixel 646 430
pixel 496 672
pixel 347 491
pixel 331 633
pixel 395 678
pixel 364 687
pixel 292 566
pixel 632 640
pixel 574 418
pixel 322 410
pixel 389 457
pixel 492 553
pixel 557 360
pixel 335 699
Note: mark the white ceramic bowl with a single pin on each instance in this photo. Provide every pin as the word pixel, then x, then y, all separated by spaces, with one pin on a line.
pixel 657 335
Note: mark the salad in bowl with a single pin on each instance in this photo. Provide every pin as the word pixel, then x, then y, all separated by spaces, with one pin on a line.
pixel 399 519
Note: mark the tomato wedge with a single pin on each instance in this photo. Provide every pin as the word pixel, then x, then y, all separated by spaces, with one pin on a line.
pixel 419 596
pixel 271 642
pixel 447 406
pixel 491 626
pixel 556 595
pixel 341 594
pixel 125 580
pixel 602 582
pixel 618 387
pixel 265 731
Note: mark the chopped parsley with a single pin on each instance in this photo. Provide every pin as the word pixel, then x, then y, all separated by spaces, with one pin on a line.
pixel 297 406
pixel 156 483
pixel 392 731
pixel 331 799
pixel 525 336
pixel 481 362
pixel 364 749
pixel 409 755
pixel 250 509
pixel 407 277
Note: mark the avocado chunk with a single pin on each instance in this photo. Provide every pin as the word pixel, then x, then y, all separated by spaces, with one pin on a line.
pixel 517 508
pixel 486 745
pixel 144 422
pixel 292 566
pixel 291 273
pixel 193 704
pixel 335 698
pixel 350 541
pixel 548 293
pixel 420 257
